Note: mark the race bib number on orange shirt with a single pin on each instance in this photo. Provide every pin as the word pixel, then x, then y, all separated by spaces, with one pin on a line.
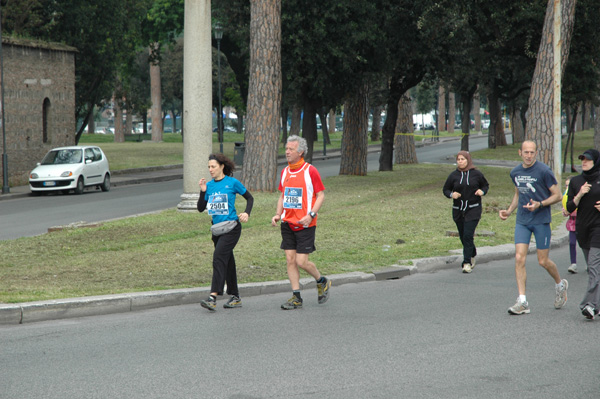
pixel 292 198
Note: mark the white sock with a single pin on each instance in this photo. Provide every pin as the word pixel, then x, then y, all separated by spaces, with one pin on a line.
pixel 560 285
pixel 522 298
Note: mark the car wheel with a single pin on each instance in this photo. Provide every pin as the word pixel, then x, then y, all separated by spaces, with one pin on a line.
pixel 106 185
pixel 80 186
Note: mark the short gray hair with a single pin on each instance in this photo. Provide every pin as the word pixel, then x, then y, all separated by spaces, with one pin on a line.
pixel 302 145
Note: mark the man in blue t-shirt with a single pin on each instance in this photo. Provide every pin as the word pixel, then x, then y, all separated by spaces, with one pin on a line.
pixel 536 189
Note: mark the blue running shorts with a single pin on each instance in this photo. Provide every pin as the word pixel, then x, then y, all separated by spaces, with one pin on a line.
pixel 542 233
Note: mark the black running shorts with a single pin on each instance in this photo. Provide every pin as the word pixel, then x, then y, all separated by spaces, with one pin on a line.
pixel 303 241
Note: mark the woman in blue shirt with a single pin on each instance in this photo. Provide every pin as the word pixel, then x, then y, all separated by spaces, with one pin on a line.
pixel 218 198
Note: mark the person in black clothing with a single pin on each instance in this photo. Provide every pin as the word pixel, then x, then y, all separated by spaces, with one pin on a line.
pixel 465 186
pixel 584 195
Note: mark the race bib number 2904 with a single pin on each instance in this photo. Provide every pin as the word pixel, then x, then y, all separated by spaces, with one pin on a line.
pixel 292 198
pixel 218 205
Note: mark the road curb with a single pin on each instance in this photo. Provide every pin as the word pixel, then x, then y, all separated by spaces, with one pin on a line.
pixel 29 312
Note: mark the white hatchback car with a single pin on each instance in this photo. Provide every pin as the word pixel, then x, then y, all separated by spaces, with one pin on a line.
pixel 71 168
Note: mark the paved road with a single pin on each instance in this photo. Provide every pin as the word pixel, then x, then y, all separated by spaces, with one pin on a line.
pixel 432 335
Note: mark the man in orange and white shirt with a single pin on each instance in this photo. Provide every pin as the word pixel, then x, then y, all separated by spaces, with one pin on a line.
pixel 302 195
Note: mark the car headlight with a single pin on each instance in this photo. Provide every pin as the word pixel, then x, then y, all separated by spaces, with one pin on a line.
pixel 33 176
pixel 66 174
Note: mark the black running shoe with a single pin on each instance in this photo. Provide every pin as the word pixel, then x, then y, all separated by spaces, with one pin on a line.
pixel 588 312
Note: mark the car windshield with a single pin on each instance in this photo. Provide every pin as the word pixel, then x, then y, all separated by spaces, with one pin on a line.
pixel 60 157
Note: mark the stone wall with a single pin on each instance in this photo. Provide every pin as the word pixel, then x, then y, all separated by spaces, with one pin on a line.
pixel 39 81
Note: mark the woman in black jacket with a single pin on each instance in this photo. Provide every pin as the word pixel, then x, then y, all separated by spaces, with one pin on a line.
pixel 584 195
pixel 465 186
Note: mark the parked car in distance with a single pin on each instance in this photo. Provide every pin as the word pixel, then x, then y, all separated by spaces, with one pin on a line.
pixel 71 168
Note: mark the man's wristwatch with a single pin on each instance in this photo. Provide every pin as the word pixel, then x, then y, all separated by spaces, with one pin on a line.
pixel 312 214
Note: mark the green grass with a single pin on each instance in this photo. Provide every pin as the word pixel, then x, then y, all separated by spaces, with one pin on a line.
pixel 404 209
pixel 174 250
pixel 139 154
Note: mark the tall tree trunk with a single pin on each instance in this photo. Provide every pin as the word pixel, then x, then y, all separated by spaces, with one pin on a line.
pixel 309 126
pixel 128 121
pixel 398 85
pixel 355 140
pixel 496 136
pixel 284 125
pixel 587 115
pixel 156 96
pixel 91 125
pixel 476 107
pixel 518 129
pixel 264 97
pixel 240 123
pixel 324 127
pixel 296 120
pixel 579 120
pixel 466 97
pixel 145 123
pixel 572 114
pixel 323 120
pixel 451 112
pixel 441 122
pixel 331 123
pixel 375 127
pixel 540 121
pixel 119 133
pixel 386 158
pixel 404 141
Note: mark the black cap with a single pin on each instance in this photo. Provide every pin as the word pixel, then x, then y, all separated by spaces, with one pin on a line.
pixel 586 155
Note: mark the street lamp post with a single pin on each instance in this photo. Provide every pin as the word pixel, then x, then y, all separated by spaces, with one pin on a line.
pixel 218 37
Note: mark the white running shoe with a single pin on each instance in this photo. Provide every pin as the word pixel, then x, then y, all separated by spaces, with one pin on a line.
pixel 572 268
pixel 519 308
pixel 561 295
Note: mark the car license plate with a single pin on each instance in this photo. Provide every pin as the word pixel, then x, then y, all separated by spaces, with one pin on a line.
pixel 49 183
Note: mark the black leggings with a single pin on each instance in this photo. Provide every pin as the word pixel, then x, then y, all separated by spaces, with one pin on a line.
pixel 466 232
pixel 224 262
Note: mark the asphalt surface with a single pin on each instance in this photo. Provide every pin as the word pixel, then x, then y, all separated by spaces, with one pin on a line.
pixel 433 335
pixel 20 313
